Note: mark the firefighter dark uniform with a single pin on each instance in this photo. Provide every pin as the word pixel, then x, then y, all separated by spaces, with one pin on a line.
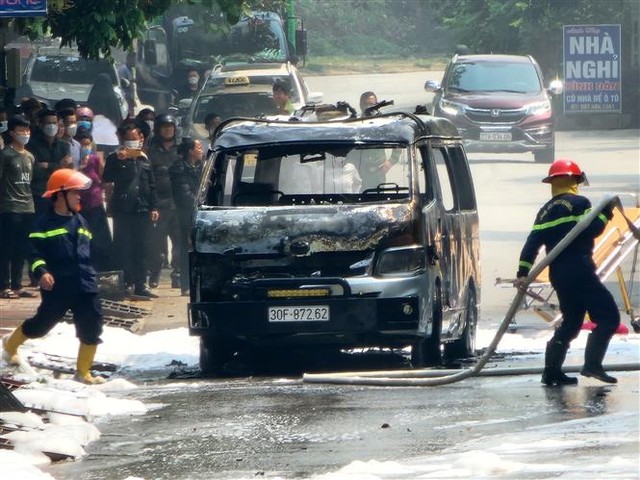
pixel 61 246
pixel 572 275
pixel 61 262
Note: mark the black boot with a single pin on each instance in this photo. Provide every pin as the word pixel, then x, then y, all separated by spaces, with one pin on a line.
pixel 554 357
pixel 593 355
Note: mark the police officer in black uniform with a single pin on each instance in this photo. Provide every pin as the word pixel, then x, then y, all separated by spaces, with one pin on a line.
pixel 572 275
pixel 163 153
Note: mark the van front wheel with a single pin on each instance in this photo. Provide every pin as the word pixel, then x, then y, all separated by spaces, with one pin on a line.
pixel 214 355
pixel 464 347
pixel 426 352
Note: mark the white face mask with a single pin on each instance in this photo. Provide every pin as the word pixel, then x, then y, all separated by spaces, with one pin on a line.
pixel 193 80
pixel 4 126
pixel 72 129
pixel 150 123
pixel 135 144
pixel 22 139
pixel 50 129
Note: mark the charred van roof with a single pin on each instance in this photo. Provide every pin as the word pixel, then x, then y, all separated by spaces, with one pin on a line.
pixel 390 128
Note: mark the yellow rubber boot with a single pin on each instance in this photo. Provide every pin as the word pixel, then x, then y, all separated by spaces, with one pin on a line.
pixel 10 344
pixel 86 353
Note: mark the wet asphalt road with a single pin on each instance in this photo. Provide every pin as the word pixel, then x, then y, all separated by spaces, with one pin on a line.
pixel 269 426
pixel 249 428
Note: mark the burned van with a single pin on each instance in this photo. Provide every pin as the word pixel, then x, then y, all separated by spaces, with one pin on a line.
pixel 344 234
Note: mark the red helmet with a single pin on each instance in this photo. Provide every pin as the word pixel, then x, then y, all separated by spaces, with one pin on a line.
pixel 66 179
pixel 84 112
pixel 564 168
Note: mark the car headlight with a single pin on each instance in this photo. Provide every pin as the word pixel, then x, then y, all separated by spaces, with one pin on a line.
pixel 539 108
pixel 400 261
pixel 451 108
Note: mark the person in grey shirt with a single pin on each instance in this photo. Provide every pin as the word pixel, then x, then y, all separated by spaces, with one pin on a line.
pixel 16 207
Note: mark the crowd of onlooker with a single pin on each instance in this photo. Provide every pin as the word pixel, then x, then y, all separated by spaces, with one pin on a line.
pixel 143 178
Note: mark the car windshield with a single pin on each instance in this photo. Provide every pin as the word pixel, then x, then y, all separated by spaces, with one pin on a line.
pixel 355 175
pixel 69 69
pixel 494 76
pixel 248 104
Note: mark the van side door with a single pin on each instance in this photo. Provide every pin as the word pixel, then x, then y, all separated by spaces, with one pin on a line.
pixel 450 218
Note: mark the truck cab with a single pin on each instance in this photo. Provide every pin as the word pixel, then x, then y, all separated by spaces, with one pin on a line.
pixel 201 41
pixel 351 233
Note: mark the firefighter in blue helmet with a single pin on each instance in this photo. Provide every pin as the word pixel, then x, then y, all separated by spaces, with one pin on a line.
pixel 61 262
pixel 572 275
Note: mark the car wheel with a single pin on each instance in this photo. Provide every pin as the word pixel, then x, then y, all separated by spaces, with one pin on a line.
pixel 214 355
pixel 545 156
pixel 464 347
pixel 426 352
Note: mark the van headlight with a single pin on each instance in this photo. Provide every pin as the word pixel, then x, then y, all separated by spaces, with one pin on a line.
pixel 451 108
pixel 400 261
pixel 539 108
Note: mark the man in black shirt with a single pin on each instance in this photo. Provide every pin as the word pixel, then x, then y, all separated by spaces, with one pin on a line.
pixel 50 153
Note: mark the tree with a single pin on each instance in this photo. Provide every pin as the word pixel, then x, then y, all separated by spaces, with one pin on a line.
pixel 97 25
pixel 525 26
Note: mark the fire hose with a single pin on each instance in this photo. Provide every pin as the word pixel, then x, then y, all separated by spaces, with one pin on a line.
pixel 445 377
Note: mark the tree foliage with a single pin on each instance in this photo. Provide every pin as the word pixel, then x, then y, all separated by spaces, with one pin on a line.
pixel 525 26
pixel 97 25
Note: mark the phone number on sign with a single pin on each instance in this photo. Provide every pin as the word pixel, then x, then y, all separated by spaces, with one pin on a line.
pixel 311 313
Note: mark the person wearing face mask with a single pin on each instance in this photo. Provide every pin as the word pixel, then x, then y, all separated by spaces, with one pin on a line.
pixel 92 201
pixel 146 116
pixel 50 153
pixel 191 88
pixel 211 122
pixel 133 204
pixel 70 128
pixel 16 206
pixel 185 176
pixel 84 115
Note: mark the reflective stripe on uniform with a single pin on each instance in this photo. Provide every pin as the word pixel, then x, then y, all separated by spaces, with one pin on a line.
pixel 525 264
pixel 568 219
pixel 36 264
pixel 84 231
pixel 49 233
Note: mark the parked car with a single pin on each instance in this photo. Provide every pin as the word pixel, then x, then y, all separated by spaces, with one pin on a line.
pixel 499 104
pixel 53 73
pixel 301 240
pixel 244 91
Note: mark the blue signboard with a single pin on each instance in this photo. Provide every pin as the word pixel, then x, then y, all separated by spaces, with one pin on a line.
pixel 23 8
pixel 592 68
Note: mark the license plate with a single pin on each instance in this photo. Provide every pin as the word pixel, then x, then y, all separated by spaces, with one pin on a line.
pixel 495 136
pixel 309 313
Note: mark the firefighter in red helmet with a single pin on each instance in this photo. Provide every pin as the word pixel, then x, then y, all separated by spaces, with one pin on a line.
pixel 60 261
pixel 572 275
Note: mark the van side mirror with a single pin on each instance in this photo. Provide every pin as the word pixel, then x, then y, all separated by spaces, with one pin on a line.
pixel 556 87
pixel 150 52
pixel 301 43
